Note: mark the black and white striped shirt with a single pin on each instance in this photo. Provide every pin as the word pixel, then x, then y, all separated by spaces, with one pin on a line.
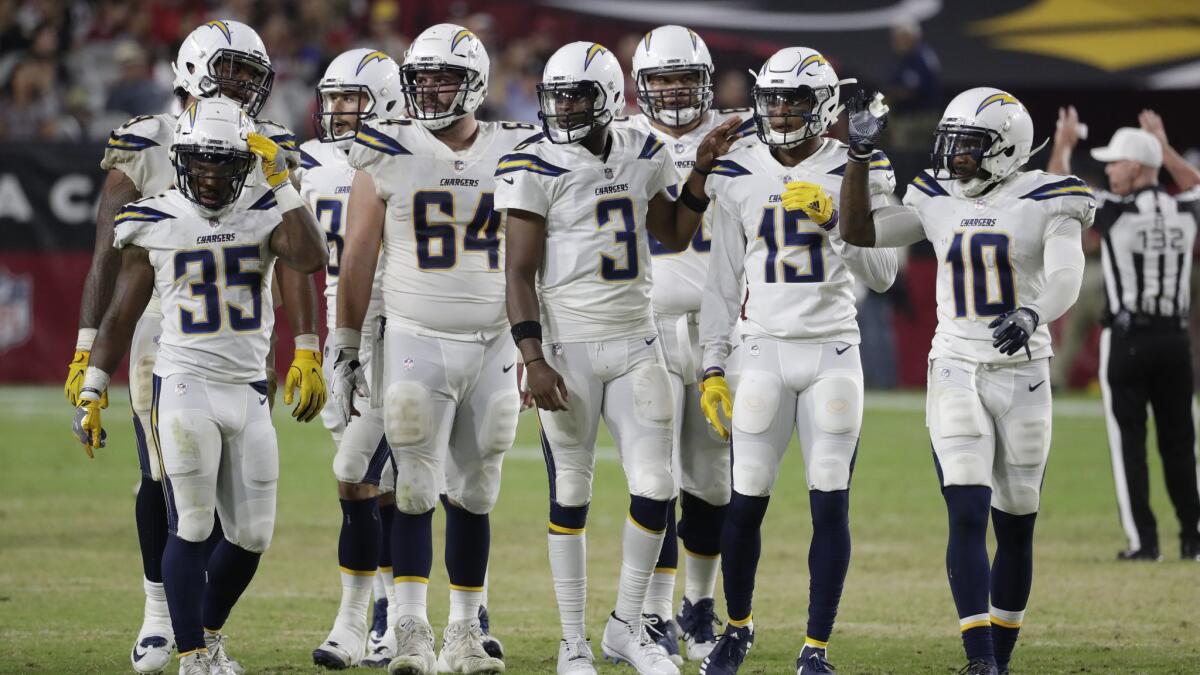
pixel 1147 255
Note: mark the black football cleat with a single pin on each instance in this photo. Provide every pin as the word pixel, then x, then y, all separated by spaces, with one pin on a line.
pixel 1144 554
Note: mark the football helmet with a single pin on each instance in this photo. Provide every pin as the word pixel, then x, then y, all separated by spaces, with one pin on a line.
pixel 369 72
pixel 989 125
pixel 211 155
pixel 670 50
pixel 225 57
pixel 445 47
pixel 582 88
pixel 793 78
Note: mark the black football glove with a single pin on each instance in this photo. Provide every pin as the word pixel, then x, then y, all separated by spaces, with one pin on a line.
pixel 1013 330
pixel 868 118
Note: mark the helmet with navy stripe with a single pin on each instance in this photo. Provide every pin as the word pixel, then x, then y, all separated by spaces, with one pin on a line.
pixel 225 57
pixel 358 85
pixel 444 58
pixel 797 95
pixel 211 154
pixel 582 88
pixel 673 71
pixel 989 126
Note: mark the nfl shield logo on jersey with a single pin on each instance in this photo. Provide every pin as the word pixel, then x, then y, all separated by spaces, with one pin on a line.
pixel 16 309
pixel 608 173
pixel 459 165
pixel 679 148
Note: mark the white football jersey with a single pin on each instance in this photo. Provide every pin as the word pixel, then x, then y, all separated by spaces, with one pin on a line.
pixel 214 279
pixel 679 276
pixel 990 250
pixel 799 278
pixel 443 259
pixel 595 280
pixel 325 177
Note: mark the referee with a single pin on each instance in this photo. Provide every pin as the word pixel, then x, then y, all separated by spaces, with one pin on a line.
pixel 1145 352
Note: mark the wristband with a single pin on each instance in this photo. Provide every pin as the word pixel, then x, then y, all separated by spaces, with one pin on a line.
pixel 346 338
pixel 85 338
pixel 831 223
pixel 692 202
pixel 526 329
pixel 286 197
pixel 530 362
pixel 700 171
pixel 860 159
pixel 308 341
pixel 713 372
pixel 94 378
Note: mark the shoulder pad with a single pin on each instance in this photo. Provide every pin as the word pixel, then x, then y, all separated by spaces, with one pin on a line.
pixel 651 147
pixel 1070 186
pixel 879 162
pixel 534 139
pixel 137 134
pixel 510 126
pixel 522 161
pixel 925 183
pixel 307 161
pixel 141 212
pixel 379 140
pixel 265 202
pixel 729 168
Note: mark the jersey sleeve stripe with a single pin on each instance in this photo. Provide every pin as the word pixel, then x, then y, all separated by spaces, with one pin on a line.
pixel 285 141
pixel 131 142
pixel 264 203
pixel 1068 187
pixel 651 148
pixel 520 161
pixel 926 183
pixel 730 168
pixel 381 142
pixel 140 214
pixel 744 129
pixel 307 161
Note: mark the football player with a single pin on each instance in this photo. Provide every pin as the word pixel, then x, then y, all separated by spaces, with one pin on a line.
pixel 673 72
pixel 225 58
pixel 798 369
pixel 207 246
pixel 358 85
pixel 580 199
pixel 424 191
pixel 1009 241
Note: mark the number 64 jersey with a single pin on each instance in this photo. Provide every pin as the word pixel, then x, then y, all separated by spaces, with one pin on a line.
pixel 990 251
pixel 214 281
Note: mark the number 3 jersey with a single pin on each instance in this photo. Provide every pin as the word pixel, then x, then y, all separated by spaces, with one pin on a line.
pixel 595 280
pixel 799 278
pixel 214 281
pixel 443 265
pixel 990 253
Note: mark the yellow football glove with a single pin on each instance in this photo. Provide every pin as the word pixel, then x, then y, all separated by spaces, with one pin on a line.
pixel 810 198
pixel 714 392
pixel 305 374
pixel 86 425
pixel 274 165
pixel 75 373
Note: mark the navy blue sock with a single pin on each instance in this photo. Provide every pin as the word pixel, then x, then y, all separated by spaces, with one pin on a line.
pixel 183 580
pixel 230 569
pixel 741 544
pixel 828 559
pixel 412 544
pixel 1012 577
pixel 387 513
pixel 668 555
pixel 967 564
pixel 468 542
pixel 358 542
pixel 150 514
pixel 215 537
pixel 700 525
pixel 567 518
pixel 649 513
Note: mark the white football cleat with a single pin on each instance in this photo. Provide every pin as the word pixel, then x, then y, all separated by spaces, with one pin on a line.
pixel 218 655
pixel 196 663
pixel 337 654
pixel 575 658
pixel 414 648
pixel 629 643
pixel 380 651
pixel 463 652
pixel 152 651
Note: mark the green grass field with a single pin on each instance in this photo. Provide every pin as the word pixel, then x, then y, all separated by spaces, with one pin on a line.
pixel 70 574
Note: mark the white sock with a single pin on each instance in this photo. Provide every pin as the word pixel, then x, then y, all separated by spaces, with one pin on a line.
pixel 639 552
pixel 378 590
pixel 464 604
pixel 353 615
pixel 483 597
pixel 411 595
pixel 700 580
pixel 568 566
pixel 389 590
pixel 155 615
pixel 661 593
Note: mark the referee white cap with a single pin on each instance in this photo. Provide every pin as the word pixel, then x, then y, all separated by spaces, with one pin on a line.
pixel 1134 144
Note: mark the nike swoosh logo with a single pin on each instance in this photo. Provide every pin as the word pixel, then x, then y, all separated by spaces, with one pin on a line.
pixel 138 654
pixel 508 367
pixel 262 400
pixel 842 350
pixel 650 340
pixel 507 180
pixel 1034 387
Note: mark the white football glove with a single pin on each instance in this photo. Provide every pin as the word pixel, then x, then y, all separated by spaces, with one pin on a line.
pixel 348 379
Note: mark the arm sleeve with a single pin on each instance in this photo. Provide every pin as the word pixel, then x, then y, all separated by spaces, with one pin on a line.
pixel 525 192
pixel 722 288
pixel 897 226
pixel 129 149
pixel 875 267
pixel 1063 261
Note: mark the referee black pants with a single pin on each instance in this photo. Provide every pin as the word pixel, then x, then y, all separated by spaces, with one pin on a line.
pixel 1136 368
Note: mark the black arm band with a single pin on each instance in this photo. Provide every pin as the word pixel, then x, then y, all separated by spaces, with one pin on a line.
pixel 700 171
pixel 713 372
pixel 693 202
pixel 527 329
